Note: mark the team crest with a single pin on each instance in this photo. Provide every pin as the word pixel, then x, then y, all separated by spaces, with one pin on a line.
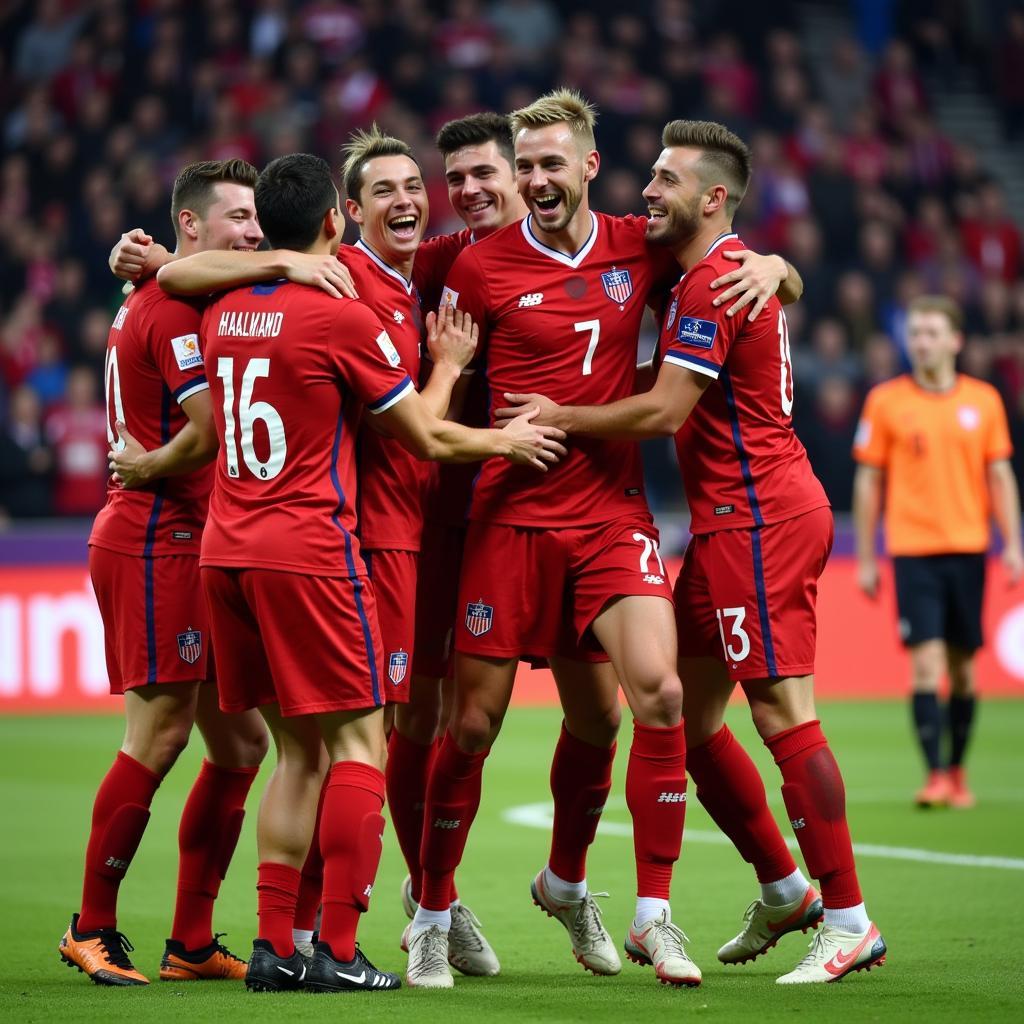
pixel 398 665
pixel 190 646
pixel 969 417
pixel 672 310
pixel 618 285
pixel 479 618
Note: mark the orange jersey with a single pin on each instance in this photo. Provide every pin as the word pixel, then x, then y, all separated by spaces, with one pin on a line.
pixel 935 449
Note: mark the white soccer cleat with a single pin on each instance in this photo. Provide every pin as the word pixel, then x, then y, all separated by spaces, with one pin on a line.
pixel 660 944
pixel 468 949
pixel 409 905
pixel 835 954
pixel 591 944
pixel 763 926
pixel 428 958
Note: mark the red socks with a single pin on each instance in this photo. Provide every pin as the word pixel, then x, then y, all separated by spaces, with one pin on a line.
pixel 730 788
pixel 351 829
pixel 209 830
pixel 656 798
pixel 409 767
pixel 119 816
pixel 453 797
pixel 312 885
pixel 581 776
pixel 816 803
pixel 277 888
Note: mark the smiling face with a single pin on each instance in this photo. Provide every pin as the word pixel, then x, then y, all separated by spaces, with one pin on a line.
pixel 392 208
pixel 482 187
pixel 674 197
pixel 552 174
pixel 230 220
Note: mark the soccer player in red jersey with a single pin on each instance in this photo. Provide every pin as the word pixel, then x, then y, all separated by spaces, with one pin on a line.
pixel 582 547
pixel 143 558
pixel 745 598
pixel 292 611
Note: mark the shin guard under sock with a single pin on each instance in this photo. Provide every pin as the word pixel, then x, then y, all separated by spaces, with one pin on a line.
pixel 277 888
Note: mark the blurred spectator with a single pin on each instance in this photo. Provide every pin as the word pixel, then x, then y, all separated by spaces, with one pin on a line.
pixel 991 240
pixel 44 46
pixel 77 430
pixel 528 27
pixel 26 459
pixel 845 80
pixel 1009 74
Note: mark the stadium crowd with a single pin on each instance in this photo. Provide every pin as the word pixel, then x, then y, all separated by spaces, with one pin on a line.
pixel 102 102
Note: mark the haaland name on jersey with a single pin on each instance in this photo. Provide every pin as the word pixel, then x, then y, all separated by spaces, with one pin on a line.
pixel 250 325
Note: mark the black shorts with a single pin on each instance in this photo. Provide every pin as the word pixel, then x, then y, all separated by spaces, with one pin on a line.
pixel 939 598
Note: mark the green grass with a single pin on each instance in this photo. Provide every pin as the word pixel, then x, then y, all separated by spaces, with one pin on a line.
pixel 952 930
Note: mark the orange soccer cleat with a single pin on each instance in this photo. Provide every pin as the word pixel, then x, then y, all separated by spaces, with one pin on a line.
pixel 210 963
pixel 960 796
pixel 936 790
pixel 102 954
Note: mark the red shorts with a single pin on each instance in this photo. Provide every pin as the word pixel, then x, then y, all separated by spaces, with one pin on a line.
pixel 393 574
pixel 747 597
pixel 308 643
pixel 534 593
pixel 155 625
pixel 437 597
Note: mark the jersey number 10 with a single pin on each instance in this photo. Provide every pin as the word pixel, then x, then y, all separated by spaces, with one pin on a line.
pixel 249 412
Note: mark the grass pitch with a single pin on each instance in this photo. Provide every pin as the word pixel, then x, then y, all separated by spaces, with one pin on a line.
pixel 951 922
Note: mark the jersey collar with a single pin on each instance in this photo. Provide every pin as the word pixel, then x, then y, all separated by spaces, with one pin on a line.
pixel 560 257
pixel 386 267
pixel 724 237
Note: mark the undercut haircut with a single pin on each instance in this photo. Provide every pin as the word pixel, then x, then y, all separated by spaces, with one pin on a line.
pixel 725 160
pixel 363 146
pixel 194 186
pixel 478 130
pixel 943 304
pixel 557 107
pixel 293 193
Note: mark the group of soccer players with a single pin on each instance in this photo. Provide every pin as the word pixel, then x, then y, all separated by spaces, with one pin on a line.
pixel 336 571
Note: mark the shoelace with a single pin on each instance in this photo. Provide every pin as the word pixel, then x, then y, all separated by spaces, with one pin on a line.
pixel 360 955
pixel 748 914
pixel 116 948
pixel 673 938
pixel 820 939
pixel 223 950
pixel 464 926
pixel 588 924
pixel 432 954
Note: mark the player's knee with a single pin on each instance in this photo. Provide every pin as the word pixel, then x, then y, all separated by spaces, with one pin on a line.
pixel 660 703
pixel 474 730
pixel 419 721
pixel 164 747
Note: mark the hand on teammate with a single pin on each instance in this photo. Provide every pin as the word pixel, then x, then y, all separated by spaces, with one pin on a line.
pixel 136 256
pixel 533 445
pixel 755 281
pixel 127 464
pixel 451 336
pixel 547 411
pixel 868 578
pixel 325 272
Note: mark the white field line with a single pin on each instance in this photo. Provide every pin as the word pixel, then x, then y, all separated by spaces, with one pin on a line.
pixel 540 816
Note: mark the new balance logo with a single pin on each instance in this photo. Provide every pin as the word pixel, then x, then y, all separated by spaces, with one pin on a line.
pixel 399 316
pixel 654 578
pixel 531 299
pixel 798 823
pixel 117 864
pixel 447 822
pixel 595 812
pixel 672 798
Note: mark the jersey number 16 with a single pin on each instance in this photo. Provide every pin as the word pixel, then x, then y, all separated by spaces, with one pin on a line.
pixel 249 412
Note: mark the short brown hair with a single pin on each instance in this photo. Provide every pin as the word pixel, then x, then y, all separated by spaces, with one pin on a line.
pixel 556 107
pixel 363 146
pixel 193 187
pixel 476 130
pixel 726 157
pixel 943 304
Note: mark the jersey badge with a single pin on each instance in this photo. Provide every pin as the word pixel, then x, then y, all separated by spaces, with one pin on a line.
pixel 399 316
pixel 698 333
pixel 398 665
pixel 122 315
pixel 672 310
pixel 618 285
pixel 479 617
pixel 386 346
pixel 186 351
pixel 450 297
pixel 969 417
pixel 190 646
pixel 531 299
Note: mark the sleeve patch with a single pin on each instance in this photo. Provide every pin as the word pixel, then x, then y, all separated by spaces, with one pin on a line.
pixel 186 351
pixel 450 297
pixel 698 333
pixel 863 436
pixel 385 344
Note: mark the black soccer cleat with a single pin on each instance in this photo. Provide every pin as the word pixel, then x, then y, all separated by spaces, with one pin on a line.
pixel 268 972
pixel 356 975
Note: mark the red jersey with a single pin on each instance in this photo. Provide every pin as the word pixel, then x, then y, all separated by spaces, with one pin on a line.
pixel 290 371
pixel 742 464
pixel 434 258
pixel 391 478
pixel 153 364
pixel 566 326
